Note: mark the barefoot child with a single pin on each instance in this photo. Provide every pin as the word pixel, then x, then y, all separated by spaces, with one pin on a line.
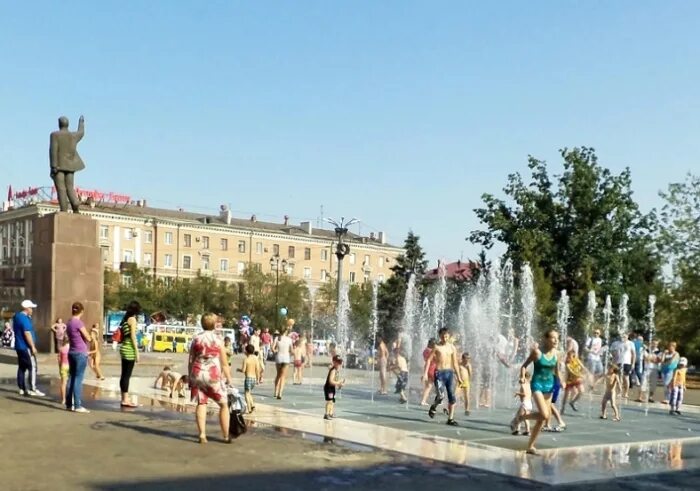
pixel 63 366
pixel 171 381
pixel 575 373
pixel 465 370
pixel 400 368
pixel 678 387
pixel 525 395
pixel 612 387
pixel 298 353
pixel 252 372
pixel 333 382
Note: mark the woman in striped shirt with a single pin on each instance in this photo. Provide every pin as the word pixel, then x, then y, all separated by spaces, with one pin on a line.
pixel 129 350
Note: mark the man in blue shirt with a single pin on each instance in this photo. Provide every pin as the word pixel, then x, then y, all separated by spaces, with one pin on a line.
pixel 25 346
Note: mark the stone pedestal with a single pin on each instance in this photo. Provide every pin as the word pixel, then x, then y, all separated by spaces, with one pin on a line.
pixel 66 268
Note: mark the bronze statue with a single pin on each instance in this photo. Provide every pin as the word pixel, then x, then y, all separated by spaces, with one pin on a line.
pixel 65 162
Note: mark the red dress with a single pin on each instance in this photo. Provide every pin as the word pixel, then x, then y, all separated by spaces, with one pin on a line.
pixel 205 375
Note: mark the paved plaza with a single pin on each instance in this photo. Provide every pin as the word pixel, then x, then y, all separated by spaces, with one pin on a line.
pixel 375 443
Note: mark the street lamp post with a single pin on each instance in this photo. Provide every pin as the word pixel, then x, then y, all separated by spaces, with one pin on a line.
pixel 276 263
pixel 341 250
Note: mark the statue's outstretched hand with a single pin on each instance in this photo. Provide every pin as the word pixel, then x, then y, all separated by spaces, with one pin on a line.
pixel 82 119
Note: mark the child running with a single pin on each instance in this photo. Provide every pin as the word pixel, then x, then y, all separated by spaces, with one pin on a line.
pixel 612 387
pixel 678 387
pixel 525 395
pixel 63 366
pixel 171 381
pixel 575 372
pixel 252 373
pixel 465 371
pixel 298 354
pixel 333 382
pixel 400 368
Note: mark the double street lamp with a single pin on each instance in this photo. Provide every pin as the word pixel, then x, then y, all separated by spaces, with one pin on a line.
pixel 277 264
pixel 341 250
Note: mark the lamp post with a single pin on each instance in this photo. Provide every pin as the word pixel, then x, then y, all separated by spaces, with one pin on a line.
pixel 341 250
pixel 276 263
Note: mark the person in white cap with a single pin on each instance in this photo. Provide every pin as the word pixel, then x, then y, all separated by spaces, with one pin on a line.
pixel 25 346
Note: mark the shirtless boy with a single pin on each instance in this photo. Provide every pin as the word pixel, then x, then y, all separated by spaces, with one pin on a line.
pixel 447 369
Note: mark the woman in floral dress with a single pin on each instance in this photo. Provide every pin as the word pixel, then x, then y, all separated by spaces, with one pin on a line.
pixel 208 362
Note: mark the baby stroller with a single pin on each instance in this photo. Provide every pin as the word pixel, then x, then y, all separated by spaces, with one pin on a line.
pixel 236 409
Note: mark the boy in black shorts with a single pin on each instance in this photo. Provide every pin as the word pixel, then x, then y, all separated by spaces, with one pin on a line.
pixel 332 383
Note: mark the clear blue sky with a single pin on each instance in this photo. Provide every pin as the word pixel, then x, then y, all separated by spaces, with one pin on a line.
pixel 415 107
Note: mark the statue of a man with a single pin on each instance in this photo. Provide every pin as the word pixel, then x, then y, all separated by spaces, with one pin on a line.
pixel 65 161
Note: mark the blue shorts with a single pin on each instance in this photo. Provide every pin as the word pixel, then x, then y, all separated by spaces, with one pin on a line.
pixel 446 379
pixel 555 390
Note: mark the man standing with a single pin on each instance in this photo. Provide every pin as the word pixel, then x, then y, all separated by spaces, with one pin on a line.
pixel 25 346
pixel 444 355
pixel 594 362
pixel 628 358
pixel 65 162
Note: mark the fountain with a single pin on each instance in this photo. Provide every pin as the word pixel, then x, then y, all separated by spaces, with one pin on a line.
pixel 411 327
pixel 440 301
pixel 591 306
pixel 528 302
pixel 343 328
pixel 651 318
pixel 623 317
pixel 607 317
pixel 375 324
pixel 563 314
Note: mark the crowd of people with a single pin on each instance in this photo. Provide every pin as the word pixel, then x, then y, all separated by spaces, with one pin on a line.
pixel 548 370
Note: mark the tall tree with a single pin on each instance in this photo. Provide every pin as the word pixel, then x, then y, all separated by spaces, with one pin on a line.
pixel 580 230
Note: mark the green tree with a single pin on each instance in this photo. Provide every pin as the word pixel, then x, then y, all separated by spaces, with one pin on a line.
pixel 393 290
pixel 679 310
pixel 580 230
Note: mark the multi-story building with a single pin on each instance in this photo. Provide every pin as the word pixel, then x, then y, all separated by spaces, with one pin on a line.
pixel 180 244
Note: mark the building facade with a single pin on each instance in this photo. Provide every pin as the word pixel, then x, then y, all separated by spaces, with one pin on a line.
pixel 179 244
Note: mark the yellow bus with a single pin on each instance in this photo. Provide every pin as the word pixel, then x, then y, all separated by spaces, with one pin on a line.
pixel 171 343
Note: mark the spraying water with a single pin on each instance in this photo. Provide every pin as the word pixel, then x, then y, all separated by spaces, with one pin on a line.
pixel 651 317
pixel 528 302
pixel 563 314
pixel 343 327
pixel 412 328
pixel 591 306
pixel 623 316
pixel 375 327
pixel 440 300
pixel 607 318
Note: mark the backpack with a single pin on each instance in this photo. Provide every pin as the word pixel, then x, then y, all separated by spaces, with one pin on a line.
pixel 117 336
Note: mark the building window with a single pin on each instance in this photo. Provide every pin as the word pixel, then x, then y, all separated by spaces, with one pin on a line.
pixel 205 242
pixel 128 233
pixel 275 249
pixel 187 240
pixel 380 261
pixel 147 259
pixel 186 262
pixel 169 239
pixel 105 253
pixel 258 248
pixel 223 265
pixel 168 259
pixel 257 267
pixel 380 278
pixel 205 262
pixel 352 258
pixel 290 269
pixel 307 273
pixel 148 236
pixel 324 275
pixel 241 246
pixel 104 232
pixel 128 256
pixel 290 252
pixel 352 277
pixel 224 244
pixel 126 280
pixel 324 254
pixel 240 267
pixel 307 253
pixel 367 261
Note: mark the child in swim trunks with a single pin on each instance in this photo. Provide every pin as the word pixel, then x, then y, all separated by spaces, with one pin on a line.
pixel 612 387
pixel 465 371
pixel 63 366
pixel 251 372
pixel 333 382
pixel 298 353
pixel 400 368
pixel 525 395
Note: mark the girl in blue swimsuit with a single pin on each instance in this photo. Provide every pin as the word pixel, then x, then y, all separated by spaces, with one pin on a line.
pixel 545 370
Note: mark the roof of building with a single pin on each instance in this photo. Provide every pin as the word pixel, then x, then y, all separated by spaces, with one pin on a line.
pixel 147 212
pixel 459 270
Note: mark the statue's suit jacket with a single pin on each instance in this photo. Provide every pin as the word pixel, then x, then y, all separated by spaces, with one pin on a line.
pixel 63 153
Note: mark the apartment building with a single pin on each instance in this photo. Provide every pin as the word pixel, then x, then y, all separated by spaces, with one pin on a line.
pixel 181 244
